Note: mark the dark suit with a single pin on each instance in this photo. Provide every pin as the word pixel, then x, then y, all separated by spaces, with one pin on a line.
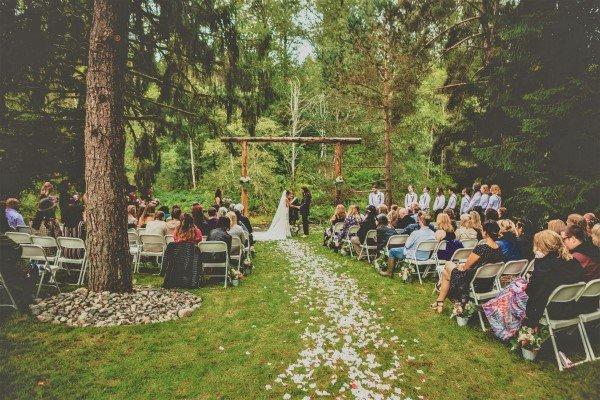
pixel 305 210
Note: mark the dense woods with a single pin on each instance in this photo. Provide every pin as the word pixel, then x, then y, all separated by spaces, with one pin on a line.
pixel 443 93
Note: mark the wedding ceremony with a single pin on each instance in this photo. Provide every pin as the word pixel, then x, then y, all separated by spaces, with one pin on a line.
pixel 300 199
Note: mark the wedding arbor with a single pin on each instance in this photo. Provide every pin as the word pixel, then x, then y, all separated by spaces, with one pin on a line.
pixel 338 142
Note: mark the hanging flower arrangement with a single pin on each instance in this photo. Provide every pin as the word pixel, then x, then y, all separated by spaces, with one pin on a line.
pixel 339 181
pixel 245 181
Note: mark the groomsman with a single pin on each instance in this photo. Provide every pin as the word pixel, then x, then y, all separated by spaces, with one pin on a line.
pixel 411 197
pixel 424 200
pixel 305 209
pixel 485 197
pixel 466 199
pixel 476 196
pixel 451 199
pixel 376 198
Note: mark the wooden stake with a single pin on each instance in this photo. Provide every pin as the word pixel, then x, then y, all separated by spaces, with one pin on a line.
pixel 337 170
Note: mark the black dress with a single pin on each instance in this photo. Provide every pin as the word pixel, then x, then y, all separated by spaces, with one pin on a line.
pixel 460 280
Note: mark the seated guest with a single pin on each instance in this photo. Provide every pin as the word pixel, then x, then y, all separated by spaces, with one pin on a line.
pixel 147 215
pixel 383 209
pixel 456 278
pixel 235 229
pixel 12 214
pixel 174 222
pixel 392 217
pixel 213 219
pixel 508 241
pixel 557 225
pixel 410 247
pixel 414 212
pixel 596 235
pixel 131 217
pixel 554 266
pixel 222 212
pixel 450 213
pixel 166 212
pixel 445 231
pixel 583 251
pixel 365 226
pixel 187 231
pixel 170 216
pixel 576 219
pixel 220 233
pixel 394 207
pixel 491 215
pixel 590 225
pixel 476 224
pixel 404 219
pixel 352 218
pixel 465 230
pixel 339 215
pixel 384 232
pixel 199 221
pixel 157 226
pixel 238 209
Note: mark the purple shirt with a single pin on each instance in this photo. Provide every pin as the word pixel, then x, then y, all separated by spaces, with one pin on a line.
pixel 14 218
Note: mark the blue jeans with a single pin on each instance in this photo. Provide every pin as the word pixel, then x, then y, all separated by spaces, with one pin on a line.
pixel 397 253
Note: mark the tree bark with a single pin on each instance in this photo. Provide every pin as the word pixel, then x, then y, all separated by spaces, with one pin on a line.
pixel 106 215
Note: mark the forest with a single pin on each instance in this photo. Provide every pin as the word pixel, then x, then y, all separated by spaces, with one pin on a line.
pixel 443 93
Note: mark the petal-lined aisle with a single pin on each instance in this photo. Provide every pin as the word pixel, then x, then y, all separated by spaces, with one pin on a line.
pixel 348 351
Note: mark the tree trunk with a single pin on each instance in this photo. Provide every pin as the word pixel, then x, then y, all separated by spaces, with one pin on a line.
pixel 109 261
pixel 192 163
pixel 387 140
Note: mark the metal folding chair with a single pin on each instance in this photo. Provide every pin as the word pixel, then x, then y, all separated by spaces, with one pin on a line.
pixel 72 243
pixel 151 246
pixel 591 291
pixel 19 237
pixel 424 246
pixel 365 247
pixel 513 268
pixel 211 249
pixel 36 253
pixel 487 271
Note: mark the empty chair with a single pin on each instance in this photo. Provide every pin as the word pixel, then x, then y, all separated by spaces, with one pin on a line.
pixel 469 242
pixel 591 292
pixel 24 229
pixel 49 245
pixel 76 244
pixel 368 249
pixel 428 246
pixel 564 294
pixel 19 237
pixel 237 250
pixel 36 253
pixel 151 246
pixel 488 272
pixel 352 231
pixel 215 259
pixel 513 269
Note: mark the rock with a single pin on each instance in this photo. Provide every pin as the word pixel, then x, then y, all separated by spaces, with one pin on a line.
pixel 184 312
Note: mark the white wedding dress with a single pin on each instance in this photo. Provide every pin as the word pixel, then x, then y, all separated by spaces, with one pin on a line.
pixel 280 225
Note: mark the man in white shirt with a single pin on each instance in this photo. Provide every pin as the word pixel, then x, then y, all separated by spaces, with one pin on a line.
pixel 451 199
pixel 376 198
pixel 424 200
pixel 411 197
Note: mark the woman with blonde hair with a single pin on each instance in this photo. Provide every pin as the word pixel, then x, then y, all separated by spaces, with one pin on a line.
pixel 553 266
pixel 393 218
pixel 339 215
pixel 235 229
pixel 352 218
pixel 445 231
pixel 495 201
pixel 596 235
pixel 476 224
pixel 465 229
pixel 507 240
pixel 557 225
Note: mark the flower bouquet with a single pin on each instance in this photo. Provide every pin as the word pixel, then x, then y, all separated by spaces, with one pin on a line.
pixel 339 181
pixel 245 181
pixel 235 276
pixel 530 341
pixel 406 272
pixel 380 263
pixel 463 312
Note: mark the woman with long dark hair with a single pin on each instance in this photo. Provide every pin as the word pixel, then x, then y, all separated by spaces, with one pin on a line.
pixel 187 231
pixel 199 219
pixel 218 198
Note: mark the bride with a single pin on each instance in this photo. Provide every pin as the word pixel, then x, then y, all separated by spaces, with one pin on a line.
pixel 280 225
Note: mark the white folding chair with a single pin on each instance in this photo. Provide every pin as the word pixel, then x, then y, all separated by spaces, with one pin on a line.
pixel 395 241
pixel 424 246
pixel 151 246
pixel 237 251
pixel 19 237
pixel 76 244
pixel 141 231
pixel 469 242
pixel 591 291
pixel 337 229
pixel 49 245
pixel 212 249
pixel 513 268
pixel 482 241
pixel 4 287
pixel 529 269
pixel 36 253
pixel 134 248
pixel 169 239
pixel 365 247
pixel 24 229
pixel 564 294
pixel 487 271
pixel 352 231
pixel 438 263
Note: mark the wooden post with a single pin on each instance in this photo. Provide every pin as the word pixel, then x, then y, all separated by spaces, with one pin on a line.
pixel 244 163
pixel 192 164
pixel 337 170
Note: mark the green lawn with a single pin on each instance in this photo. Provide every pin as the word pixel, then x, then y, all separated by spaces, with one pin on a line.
pixel 254 324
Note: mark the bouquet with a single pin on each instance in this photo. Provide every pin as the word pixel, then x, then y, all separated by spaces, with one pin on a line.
pixel 245 181
pixel 380 262
pixel 235 274
pixel 339 181
pixel 406 272
pixel 530 338
pixel 464 311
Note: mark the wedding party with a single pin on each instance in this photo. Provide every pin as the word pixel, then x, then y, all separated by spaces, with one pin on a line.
pixel 368 200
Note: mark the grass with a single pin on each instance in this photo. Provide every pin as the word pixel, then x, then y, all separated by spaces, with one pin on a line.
pixel 181 359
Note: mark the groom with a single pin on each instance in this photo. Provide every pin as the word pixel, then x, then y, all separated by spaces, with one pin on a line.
pixel 305 208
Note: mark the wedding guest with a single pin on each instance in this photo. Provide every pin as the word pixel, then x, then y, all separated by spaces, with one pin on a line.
pixel 352 218
pixel 465 229
pixel 157 226
pixel 491 215
pixel 456 278
pixel 213 219
pixel 553 266
pixel 220 232
pixel 366 225
pixel 218 201
pixel 464 202
pixel 235 230
pixel 596 235
pixel 72 218
pixel 439 201
pixel 175 221
pixel 557 225
pixel 445 231
pixel 394 207
pixel 424 200
pixel 242 219
pixel 376 197
pixel 147 215
pixel 131 216
pixel 476 197
pixel 46 190
pixel 339 215
pixel 222 212
pixel 187 231
pixel 383 209
pixel 576 219
pixel 590 225
pixel 508 242
pixel 410 247
pixel 384 232
pixel 495 201
pixel 404 219
pixel 199 221
pixel 451 200
pixel 476 224
pixel 410 197
pixel 12 214
pixel 450 213
pixel 583 251
pixel 485 197
pixel 45 223
pixel 393 218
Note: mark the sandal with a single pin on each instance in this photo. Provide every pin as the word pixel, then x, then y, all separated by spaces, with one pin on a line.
pixel 438 306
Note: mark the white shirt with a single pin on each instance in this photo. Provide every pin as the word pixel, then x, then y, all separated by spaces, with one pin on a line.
pixel 464 204
pixel 410 198
pixel 424 201
pixel 376 199
pixel 452 201
pixel 439 202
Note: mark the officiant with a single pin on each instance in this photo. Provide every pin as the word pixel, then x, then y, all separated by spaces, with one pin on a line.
pixel 305 208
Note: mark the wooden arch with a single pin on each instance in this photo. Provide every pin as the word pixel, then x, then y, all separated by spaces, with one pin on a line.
pixel 337 157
